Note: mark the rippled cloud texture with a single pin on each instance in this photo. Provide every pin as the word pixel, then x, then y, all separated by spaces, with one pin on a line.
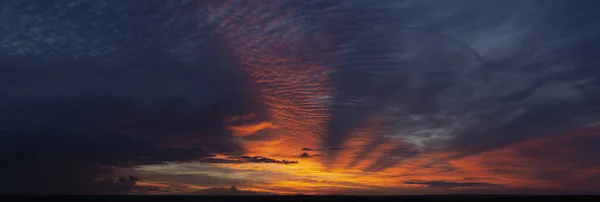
pixel 299 97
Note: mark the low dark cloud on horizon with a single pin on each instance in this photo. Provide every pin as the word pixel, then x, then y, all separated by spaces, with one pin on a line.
pixel 450 185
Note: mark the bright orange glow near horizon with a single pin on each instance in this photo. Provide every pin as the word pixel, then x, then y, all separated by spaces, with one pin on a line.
pixel 504 167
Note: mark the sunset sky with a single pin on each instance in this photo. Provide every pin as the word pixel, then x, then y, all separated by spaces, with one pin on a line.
pixel 365 97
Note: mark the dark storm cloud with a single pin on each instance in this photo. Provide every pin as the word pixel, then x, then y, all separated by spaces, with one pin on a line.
pixel 87 86
pixel 450 185
pixel 65 122
pixel 50 161
pixel 64 156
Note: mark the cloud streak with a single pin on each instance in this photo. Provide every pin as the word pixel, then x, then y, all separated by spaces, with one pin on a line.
pixel 449 185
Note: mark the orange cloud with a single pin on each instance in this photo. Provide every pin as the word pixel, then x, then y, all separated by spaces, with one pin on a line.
pixel 290 81
pixel 249 129
pixel 555 162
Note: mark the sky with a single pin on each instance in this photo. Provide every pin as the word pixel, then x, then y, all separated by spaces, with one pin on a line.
pixel 386 97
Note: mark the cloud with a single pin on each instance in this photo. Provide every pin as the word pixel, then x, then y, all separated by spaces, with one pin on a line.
pixel 304 155
pixel 189 189
pixel 193 173
pixel 247 159
pixel 367 53
pixel 478 178
pixel 65 121
pixel 246 130
pixel 330 149
pixel 398 153
pixel 115 186
pixel 449 184
pixel 494 82
pixel 233 190
pixel 72 139
pixel 507 104
pixel 191 81
pixel 61 32
pixel 59 161
pixel 558 162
